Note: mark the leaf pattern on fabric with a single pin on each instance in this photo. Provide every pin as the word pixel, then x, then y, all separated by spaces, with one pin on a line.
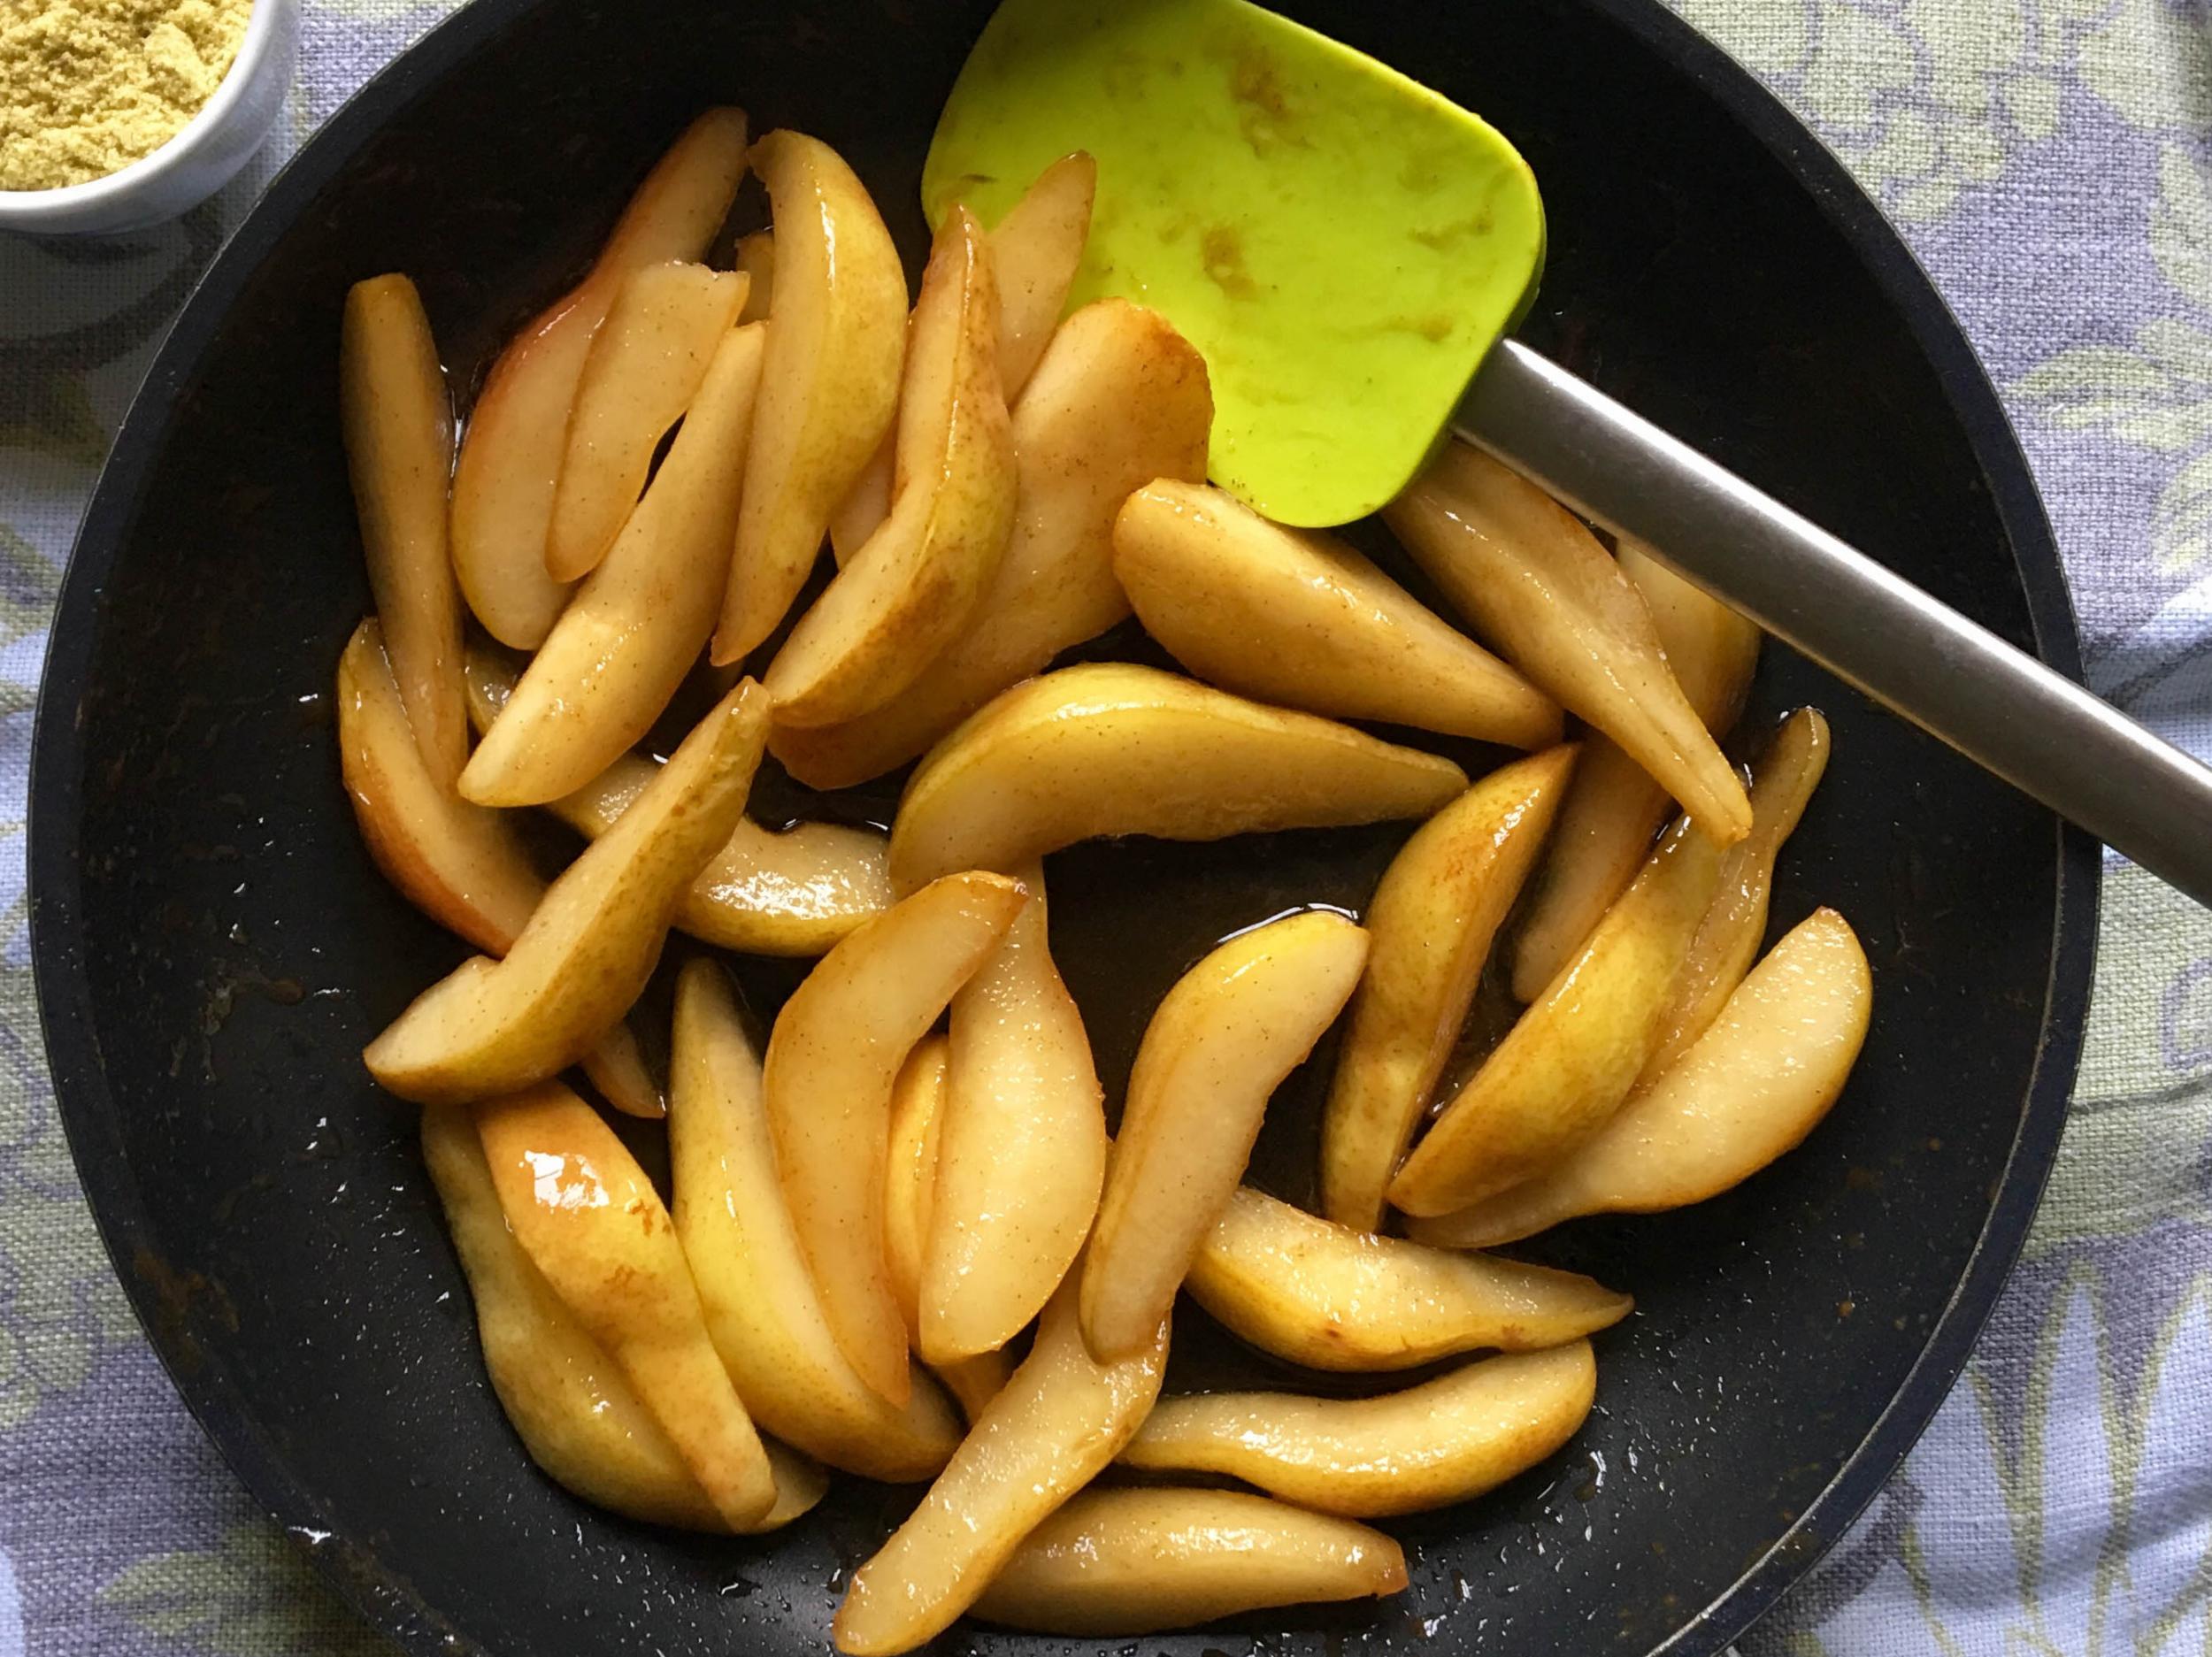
pixel 249 1596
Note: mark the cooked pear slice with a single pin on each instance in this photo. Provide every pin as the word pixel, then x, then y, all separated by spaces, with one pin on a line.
pixel 1118 399
pixel 588 1218
pixel 456 863
pixel 1060 1421
pixel 576 1413
pixel 789 892
pixel 1728 938
pixel 399 448
pixel 1330 1298
pixel 1431 1445
pixel 1751 1087
pixel 1525 571
pixel 1115 1562
pixel 831 1059
pixel 756 258
pixel 762 1310
pixel 646 362
pixel 1036 250
pixel 511 456
pixel 830 384
pixel 1613 809
pixel 635 626
pixel 493 1027
pixel 1434 913
pixel 1569 1060
pixel 1297 617
pixel 1110 749
pixel 914 584
pixel 1022 1150
pixel 1219 1045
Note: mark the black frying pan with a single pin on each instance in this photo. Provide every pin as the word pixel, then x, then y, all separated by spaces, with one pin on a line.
pixel 212 945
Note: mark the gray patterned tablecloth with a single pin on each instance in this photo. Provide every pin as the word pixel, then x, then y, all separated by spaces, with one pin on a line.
pixel 2051 161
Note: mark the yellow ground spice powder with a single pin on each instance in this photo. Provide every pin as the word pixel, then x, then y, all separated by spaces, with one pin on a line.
pixel 87 86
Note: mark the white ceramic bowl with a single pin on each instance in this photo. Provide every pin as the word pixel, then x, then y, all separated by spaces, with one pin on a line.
pixel 194 164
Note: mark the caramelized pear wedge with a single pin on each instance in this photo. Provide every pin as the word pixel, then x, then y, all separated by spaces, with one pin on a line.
pixel 1442 1442
pixel 830 383
pixel 789 892
pixel 1751 1087
pixel 1613 809
pixel 492 1027
pixel 398 428
pixel 1118 399
pixel 836 1051
pixel 1021 1148
pixel 456 863
pixel 646 362
pixel 1569 1060
pixel 1220 1043
pixel 1110 749
pixel 1434 915
pixel 1115 1563
pixel 511 456
pixel 909 1200
pixel 1728 938
pixel 1036 250
pixel 1330 1298
pixel 576 1413
pixel 1298 619
pixel 916 581
pixel 755 257
pixel 762 1310
pixel 588 1218
pixel 1061 1419
pixel 1540 589
pixel 622 647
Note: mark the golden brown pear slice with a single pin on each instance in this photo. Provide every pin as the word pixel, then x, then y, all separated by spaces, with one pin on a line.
pixel 789 892
pixel 756 258
pixel 762 1310
pixel 1540 589
pixel 1330 1298
pixel 1022 1151
pixel 576 1413
pixel 1436 1444
pixel 1036 250
pixel 909 1200
pixel 456 863
pixel 1298 619
pixel 646 362
pixel 1751 1087
pixel 1118 1562
pixel 831 1059
pixel 1060 1421
pixel 1110 749
pixel 1118 399
pixel 511 457
pixel 1434 913
pixel 1569 1060
pixel 633 629
pixel 1613 809
pixel 399 447
pixel 492 1027
pixel 588 1217
pixel 830 384
pixel 1220 1043
pixel 1729 936
pixel 916 581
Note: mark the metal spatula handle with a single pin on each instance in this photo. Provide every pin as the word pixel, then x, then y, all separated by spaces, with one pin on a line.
pixel 1997 705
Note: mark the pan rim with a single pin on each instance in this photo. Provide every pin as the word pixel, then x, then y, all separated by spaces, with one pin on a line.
pixel 87 1110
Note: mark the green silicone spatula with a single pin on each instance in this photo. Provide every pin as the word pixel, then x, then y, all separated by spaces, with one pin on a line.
pixel 1350 250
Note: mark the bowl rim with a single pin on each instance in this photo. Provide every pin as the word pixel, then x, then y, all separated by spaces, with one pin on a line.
pixel 387 1601
pixel 59 208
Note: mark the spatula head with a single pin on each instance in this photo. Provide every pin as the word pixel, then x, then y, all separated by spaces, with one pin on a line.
pixel 1342 244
